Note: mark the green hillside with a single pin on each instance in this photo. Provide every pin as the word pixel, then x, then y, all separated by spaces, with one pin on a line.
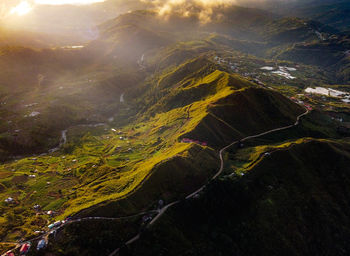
pixel 102 167
pixel 275 209
pixel 112 132
pixel 247 112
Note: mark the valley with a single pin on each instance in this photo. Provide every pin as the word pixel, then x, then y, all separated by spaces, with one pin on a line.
pixel 174 136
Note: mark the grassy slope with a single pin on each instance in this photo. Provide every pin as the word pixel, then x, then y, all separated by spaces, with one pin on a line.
pixel 291 203
pixel 246 112
pixel 185 121
pixel 171 179
pixel 212 96
pixel 225 106
pixel 195 97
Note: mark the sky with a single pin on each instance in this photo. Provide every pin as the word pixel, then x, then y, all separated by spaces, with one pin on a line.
pixel 24 7
pixel 60 2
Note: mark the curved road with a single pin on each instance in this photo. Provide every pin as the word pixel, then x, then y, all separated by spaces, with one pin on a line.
pixel 45 235
pixel 166 207
pixel 222 162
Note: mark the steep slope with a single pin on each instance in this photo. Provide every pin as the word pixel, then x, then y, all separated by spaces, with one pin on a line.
pixel 143 113
pixel 220 106
pixel 247 112
pixel 276 209
pixel 124 172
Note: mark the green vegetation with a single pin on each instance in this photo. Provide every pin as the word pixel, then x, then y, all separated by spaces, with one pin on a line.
pixel 140 114
pixel 145 158
pixel 272 210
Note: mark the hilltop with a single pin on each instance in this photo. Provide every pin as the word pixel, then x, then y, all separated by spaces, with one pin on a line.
pixel 111 133
pixel 275 208
pixel 213 117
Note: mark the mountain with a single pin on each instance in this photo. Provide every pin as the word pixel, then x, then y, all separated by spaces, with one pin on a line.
pixel 331 13
pixel 276 208
pixel 181 167
pixel 126 39
pixel 177 135
pixel 246 29
pixel 235 21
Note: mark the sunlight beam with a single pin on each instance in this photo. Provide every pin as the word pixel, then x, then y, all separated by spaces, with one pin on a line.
pixel 62 2
pixel 21 9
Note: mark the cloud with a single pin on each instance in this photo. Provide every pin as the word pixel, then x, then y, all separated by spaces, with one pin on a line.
pixel 204 10
pixel 200 8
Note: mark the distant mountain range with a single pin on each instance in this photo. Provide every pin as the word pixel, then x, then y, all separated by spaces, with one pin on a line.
pixel 80 22
pixel 333 13
pixel 167 135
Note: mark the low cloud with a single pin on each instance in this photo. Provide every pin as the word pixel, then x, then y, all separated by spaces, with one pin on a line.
pixel 204 10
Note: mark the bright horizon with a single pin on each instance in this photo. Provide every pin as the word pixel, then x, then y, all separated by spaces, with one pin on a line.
pixel 26 6
pixel 62 2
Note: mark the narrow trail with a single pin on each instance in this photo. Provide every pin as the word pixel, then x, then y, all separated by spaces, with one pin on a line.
pixel 159 212
pixel 219 172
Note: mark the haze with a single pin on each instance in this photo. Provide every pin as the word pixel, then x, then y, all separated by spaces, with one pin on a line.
pixel 62 2
pixel 174 127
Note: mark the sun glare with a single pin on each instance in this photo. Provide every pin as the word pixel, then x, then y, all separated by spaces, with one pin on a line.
pixel 21 9
pixel 25 6
pixel 61 2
